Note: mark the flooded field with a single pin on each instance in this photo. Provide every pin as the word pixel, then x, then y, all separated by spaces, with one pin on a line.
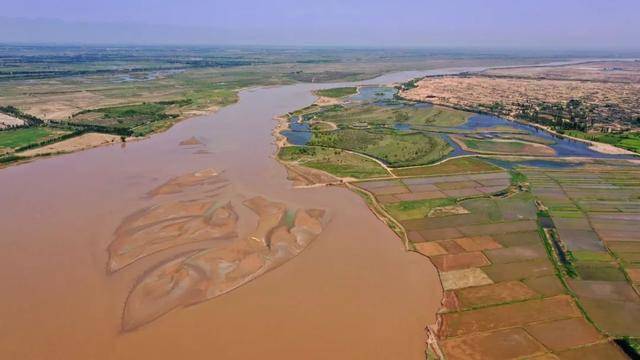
pixel 193 244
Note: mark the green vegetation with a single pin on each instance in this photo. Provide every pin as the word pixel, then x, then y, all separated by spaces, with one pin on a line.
pixel 372 116
pixel 629 141
pixel 418 209
pixel 630 346
pixel 334 161
pixel 463 165
pixel 517 177
pixel 25 137
pixel 130 116
pixel 337 92
pixel 595 256
pixel 394 148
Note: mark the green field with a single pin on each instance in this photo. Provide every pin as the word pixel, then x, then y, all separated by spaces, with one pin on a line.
pixel 337 92
pixel 130 116
pixel 464 165
pixel 334 161
pixel 394 148
pixel 629 141
pixel 407 210
pixel 17 138
pixel 372 115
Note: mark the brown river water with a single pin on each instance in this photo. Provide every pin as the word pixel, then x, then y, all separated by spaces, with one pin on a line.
pixel 343 287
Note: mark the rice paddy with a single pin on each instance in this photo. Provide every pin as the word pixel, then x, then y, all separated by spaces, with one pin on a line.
pixel 505 294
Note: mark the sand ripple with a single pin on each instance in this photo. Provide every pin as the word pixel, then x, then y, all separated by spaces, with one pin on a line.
pixel 191 277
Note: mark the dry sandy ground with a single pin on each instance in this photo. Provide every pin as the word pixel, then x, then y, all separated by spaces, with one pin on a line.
pixel 609 71
pixel 81 142
pixel 475 90
pixel 608 149
pixel 324 101
pixel 6 121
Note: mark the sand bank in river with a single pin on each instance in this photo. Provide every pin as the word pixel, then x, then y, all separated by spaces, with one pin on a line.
pixel 354 292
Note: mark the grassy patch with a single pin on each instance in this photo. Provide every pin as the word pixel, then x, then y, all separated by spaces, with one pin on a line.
pixel 337 92
pixel 334 161
pixel 129 116
pixel 19 138
pixel 517 177
pixel 629 141
pixel 599 271
pixel 372 115
pixel 583 255
pixel 406 210
pixel 465 165
pixel 394 148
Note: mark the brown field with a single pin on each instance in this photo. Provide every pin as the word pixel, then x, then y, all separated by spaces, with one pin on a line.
pixel 503 344
pixel 436 187
pixel 594 352
pixel 498 293
pixel 510 315
pixel 564 334
pixel 501 286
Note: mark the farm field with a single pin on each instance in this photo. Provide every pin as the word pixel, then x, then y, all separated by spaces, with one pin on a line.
pixel 25 137
pixel 461 165
pixel 595 214
pixel 505 296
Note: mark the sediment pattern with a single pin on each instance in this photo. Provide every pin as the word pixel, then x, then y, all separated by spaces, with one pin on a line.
pixel 232 257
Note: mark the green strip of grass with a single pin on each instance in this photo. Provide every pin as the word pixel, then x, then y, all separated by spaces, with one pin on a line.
pixel 19 138
pixel 407 210
pixel 629 141
pixel 337 92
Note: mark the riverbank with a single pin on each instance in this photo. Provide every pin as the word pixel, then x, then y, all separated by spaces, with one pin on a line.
pixel 353 291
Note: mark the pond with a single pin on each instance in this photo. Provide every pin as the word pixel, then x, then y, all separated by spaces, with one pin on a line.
pixel 299 133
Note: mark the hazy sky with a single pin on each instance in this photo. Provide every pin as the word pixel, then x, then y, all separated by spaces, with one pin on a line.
pixel 526 23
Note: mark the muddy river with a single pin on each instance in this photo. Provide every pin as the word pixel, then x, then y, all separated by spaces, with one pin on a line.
pixel 203 250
